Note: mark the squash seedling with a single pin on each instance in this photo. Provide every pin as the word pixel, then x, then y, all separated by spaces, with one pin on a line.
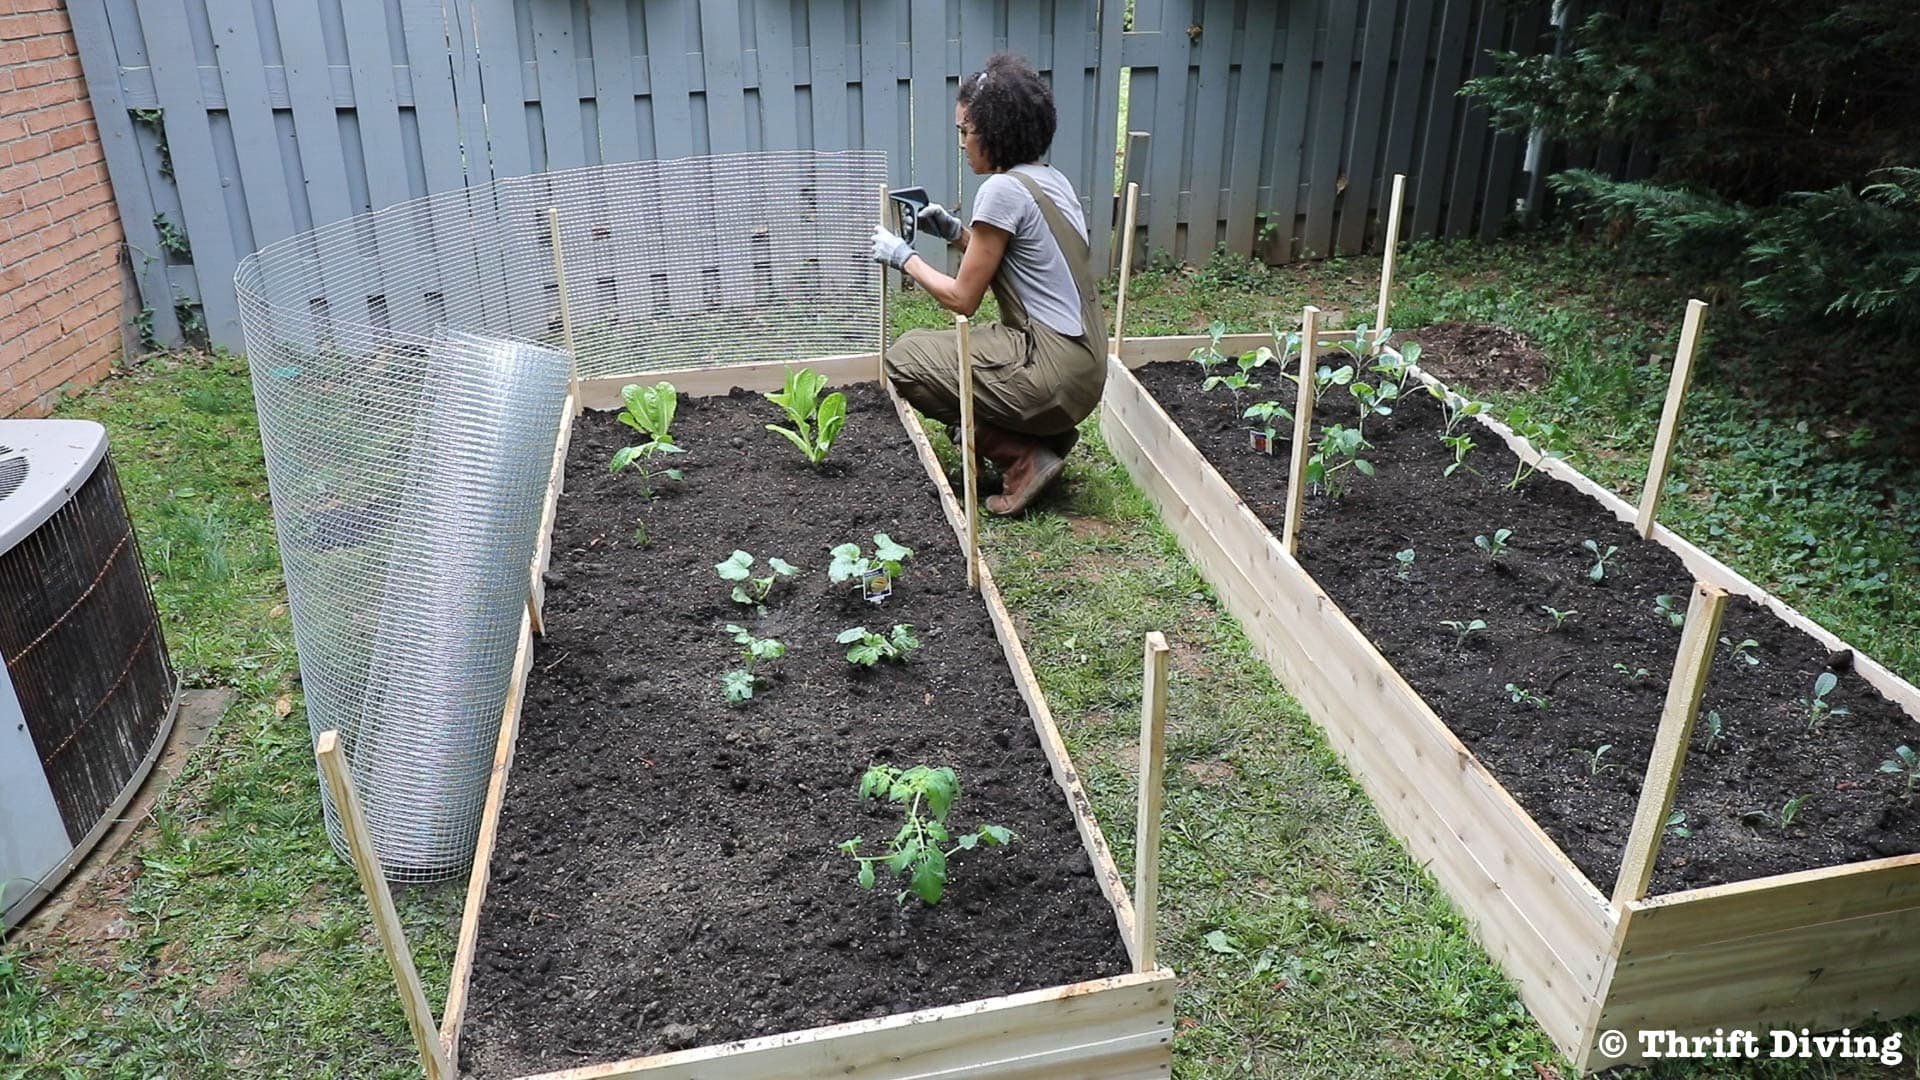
pixel 868 648
pixel 1523 696
pixel 1596 759
pixel 738 685
pixel 1261 438
pixel 1818 711
pixel 875 575
pixel 1559 617
pixel 1338 450
pixel 649 411
pixel 1404 559
pixel 1463 630
pixel 918 851
pixel 1493 546
pixel 817 421
pixel 749 590
pixel 1905 764
pixel 1599 570
pixel 1670 607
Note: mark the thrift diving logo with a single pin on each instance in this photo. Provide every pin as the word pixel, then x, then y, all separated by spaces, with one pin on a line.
pixel 1741 1043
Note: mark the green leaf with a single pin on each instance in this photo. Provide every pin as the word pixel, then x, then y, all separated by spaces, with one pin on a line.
pixel 781 566
pixel 998 835
pixel 856 633
pixel 866 875
pixel 793 437
pixel 1824 685
pixel 938 831
pixel 929 881
pixel 886 550
pixel 1219 942
pixel 902 857
pixel 1364 466
pixel 941 788
pixel 737 685
pixel 1410 352
pixel 623 457
pixel 847 562
pixel 675 474
pixel 875 781
pixel 740 596
pixel 833 417
pixel 735 568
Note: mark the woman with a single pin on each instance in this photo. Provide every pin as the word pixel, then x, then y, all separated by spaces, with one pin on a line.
pixel 1040 370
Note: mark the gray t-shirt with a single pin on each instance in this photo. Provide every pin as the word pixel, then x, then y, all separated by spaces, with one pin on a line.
pixel 1038 269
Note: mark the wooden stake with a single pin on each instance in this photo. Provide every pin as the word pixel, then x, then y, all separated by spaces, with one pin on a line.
pixel 393 940
pixel 566 313
pixel 1153 769
pixel 1126 268
pixel 969 469
pixel 1704 611
pixel 1128 155
pixel 886 205
pixel 1386 259
pixel 1670 418
pixel 1302 433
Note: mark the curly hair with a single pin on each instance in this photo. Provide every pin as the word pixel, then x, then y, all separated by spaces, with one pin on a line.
pixel 1011 108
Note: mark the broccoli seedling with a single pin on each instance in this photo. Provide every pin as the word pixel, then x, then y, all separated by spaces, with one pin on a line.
pixel 1455 409
pixel 1373 400
pixel 1461 445
pixel 1744 652
pixel 1523 696
pixel 1327 375
pixel 1638 674
pixel 817 421
pixel 1209 356
pixel 750 590
pixel 869 648
pixel 649 411
pixel 1493 546
pixel 1338 450
pixel 1596 759
pixel 1670 607
pixel 1559 617
pixel 1540 434
pixel 1405 560
pixel 1599 570
pixel 1906 764
pixel 1716 729
pixel 1265 413
pixel 1398 370
pixel 1818 710
pixel 918 851
pixel 1677 825
pixel 1463 630
pixel 1242 379
pixel 739 684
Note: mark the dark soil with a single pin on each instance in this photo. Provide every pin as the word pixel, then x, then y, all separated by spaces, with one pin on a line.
pixel 1480 356
pixel 667 872
pixel 1732 793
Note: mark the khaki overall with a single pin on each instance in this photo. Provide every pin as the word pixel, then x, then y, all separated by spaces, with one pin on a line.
pixel 1026 377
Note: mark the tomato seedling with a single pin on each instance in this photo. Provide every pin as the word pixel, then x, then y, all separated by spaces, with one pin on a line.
pixel 918 851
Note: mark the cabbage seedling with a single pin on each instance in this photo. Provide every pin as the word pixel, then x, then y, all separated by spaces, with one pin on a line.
pixel 1339 448
pixel 1461 445
pixel 869 648
pixel 1559 617
pixel 738 685
pixel 919 851
pixel 1905 764
pixel 1523 696
pixel 1818 711
pixel 817 421
pixel 1599 570
pixel 1670 607
pixel 1464 630
pixel 1455 409
pixel 747 589
pixel 1493 546
pixel 1743 652
pixel 649 411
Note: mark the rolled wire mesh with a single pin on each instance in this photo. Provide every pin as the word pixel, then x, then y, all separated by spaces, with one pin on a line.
pixel 409 373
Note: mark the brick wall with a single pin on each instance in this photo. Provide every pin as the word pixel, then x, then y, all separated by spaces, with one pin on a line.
pixel 61 291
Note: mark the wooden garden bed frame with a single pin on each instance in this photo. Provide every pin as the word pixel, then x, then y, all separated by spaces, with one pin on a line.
pixel 1817 949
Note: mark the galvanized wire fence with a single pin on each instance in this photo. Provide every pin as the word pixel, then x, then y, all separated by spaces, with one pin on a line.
pixel 410 372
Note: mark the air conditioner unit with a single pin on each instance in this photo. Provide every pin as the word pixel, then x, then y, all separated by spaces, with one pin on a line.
pixel 87 694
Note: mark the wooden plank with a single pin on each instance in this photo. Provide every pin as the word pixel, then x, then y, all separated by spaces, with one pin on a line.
pixel 256 142
pixel 1302 449
pixel 377 116
pixel 1409 87
pixel 100 62
pixel 386 922
pixel 1370 130
pixel 190 137
pixel 508 142
pixel 1336 84
pixel 556 483
pixel 1126 269
pixel 976 44
pixel 1662 778
pixel 1505 164
pixel 456 1010
pixel 1289 140
pixel 1250 126
pixel 557 83
pixel 1470 164
pixel 1484 857
pixel 670 28
pixel 603 392
pixel 1117 1027
pixel 1387 255
pixel 611 34
pixel 1429 177
pixel 1072 23
pixel 969 455
pixel 1210 124
pixel 1676 922
pixel 1677 384
pixel 934 148
pixel 1064 774
pixel 1166 167
pixel 720 50
pixel 1106 131
pixel 1153 778
pixel 827 77
pixel 779 115
pixel 880 87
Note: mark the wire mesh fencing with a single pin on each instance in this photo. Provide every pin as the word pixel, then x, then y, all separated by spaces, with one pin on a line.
pixel 410 369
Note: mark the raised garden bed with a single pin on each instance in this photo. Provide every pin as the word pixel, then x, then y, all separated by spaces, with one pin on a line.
pixel 658 887
pixel 1751 923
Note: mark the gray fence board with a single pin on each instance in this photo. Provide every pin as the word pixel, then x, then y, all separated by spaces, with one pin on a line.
pixel 1503 168
pixel 720 59
pixel 1470 163
pixel 1210 124
pixel 668 25
pixel 558 86
pixel 779 105
pixel 249 109
pixel 613 91
pixel 1296 84
pixel 1449 60
pixel 933 140
pixel 1106 132
pixel 1329 126
pixel 879 85
pixel 1359 200
pixel 827 73
pixel 1249 127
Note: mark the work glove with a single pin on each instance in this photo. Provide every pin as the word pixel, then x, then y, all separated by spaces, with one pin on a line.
pixel 890 249
pixel 935 219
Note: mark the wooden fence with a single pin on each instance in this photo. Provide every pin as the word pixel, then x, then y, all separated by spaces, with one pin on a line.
pixel 230 124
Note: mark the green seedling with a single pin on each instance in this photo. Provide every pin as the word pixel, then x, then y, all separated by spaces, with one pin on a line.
pixel 1677 825
pixel 1790 811
pixel 1559 617
pixel 1744 652
pixel 1398 371
pixel 1338 450
pixel 1540 434
pixel 1523 696
pixel 739 684
pixel 1454 409
pixel 1905 764
pixel 747 589
pixel 868 648
pixel 649 411
pixel 851 564
pixel 1493 546
pixel 1716 729
pixel 1405 560
pixel 1818 710
pixel 1242 379
pixel 1326 375
pixel 1670 607
pixel 918 851
pixel 1638 674
pixel 1599 570
pixel 1596 759
pixel 1373 400
pixel 1209 356
pixel 1461 445
pixel 817 421
pixel 1463 630
pixel 1265 413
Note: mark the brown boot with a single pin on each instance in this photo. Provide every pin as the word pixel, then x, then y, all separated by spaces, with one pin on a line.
pixel 1027 465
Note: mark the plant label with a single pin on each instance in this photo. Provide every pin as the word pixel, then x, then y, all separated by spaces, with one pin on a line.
pixel 1260 441
pixel 876 586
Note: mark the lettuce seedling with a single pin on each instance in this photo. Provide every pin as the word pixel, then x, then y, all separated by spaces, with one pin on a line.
pixel 918 851
pixel 849 564
pixel 749 590
pixel 1493 546
pixel 817 421
pixel 649 411
pixel 1599 570
pixel 869 648
pixel 738 685
pixel 1905 764
pixel 1338 449
pixel 1463 629
pixel 1818 711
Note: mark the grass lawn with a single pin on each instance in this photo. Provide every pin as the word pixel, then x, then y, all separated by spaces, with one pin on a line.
pixel 229 942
